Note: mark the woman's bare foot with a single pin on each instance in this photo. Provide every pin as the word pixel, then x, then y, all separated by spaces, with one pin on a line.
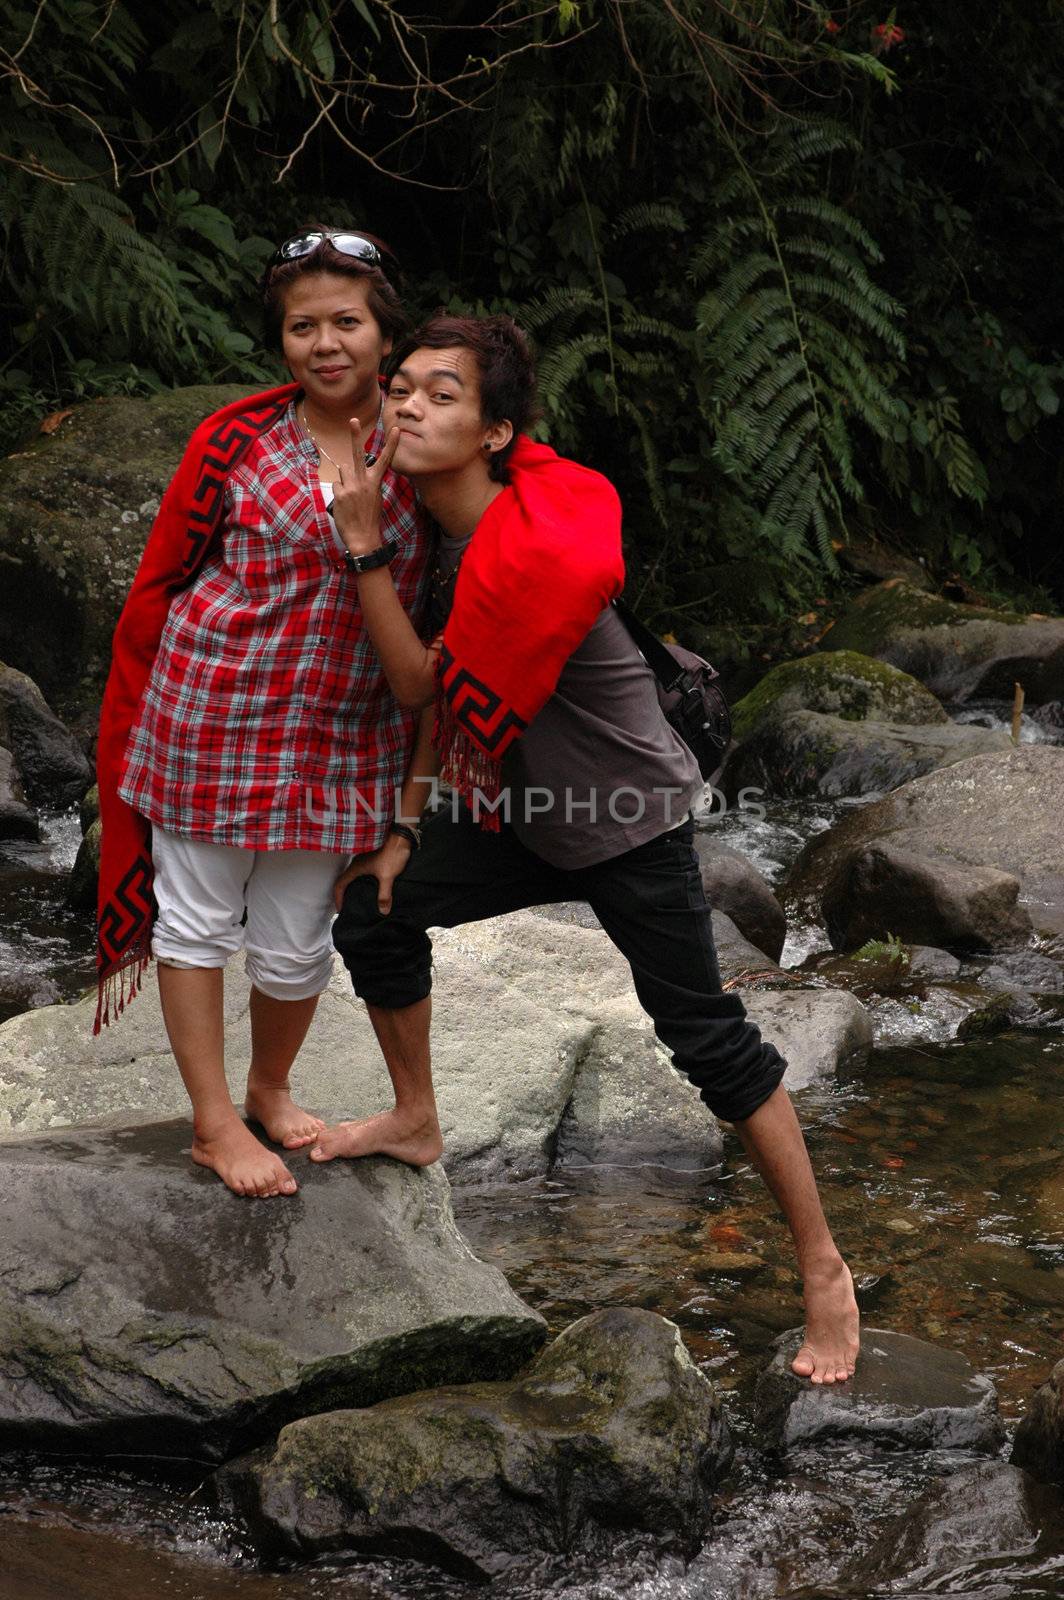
pixel 243 1164
pixel 415 1140
pixel 832 1325
pixel 273 1108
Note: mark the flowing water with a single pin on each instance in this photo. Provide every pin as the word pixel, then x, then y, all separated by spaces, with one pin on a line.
pixel 942 1170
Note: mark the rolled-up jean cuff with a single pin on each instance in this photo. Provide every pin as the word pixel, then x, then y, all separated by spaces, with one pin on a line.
pixel 737 1107
pixel 283 977
pixel 211 958
pixel 394 992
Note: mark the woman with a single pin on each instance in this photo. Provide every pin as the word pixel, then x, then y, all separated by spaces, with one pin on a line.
pixel 246 718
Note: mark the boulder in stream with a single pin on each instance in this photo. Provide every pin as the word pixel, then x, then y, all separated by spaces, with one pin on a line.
pixel 837 683
pixel 988 1513
pixel 961 652
pixel 1039 1442
pixel 18 820
pixel 145 1310
pixel 734 886
pixel 884 890
pixel 905 1392
pixel 808 753
pixel 612 1430
pixel 1000 812
pixel 54 768
pixel 531 1016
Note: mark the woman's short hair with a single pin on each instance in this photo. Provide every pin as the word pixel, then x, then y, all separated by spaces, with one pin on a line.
pixel 505 362
pixel 382 296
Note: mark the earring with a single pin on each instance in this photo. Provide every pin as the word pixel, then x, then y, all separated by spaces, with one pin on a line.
pixel 486 446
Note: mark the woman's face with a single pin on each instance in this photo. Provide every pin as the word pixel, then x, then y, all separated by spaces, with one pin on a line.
pixel 333 343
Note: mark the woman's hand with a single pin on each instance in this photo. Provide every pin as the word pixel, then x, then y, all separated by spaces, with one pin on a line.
pixel 356 503
pixel 385 864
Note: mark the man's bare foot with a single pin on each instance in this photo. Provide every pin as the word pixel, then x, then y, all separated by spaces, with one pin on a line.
pixel 273 1108
pixel 832 1325
pixel 243 1164
pixel 417 1141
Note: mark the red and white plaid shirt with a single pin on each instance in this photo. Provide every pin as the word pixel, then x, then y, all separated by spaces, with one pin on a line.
pixel 267 721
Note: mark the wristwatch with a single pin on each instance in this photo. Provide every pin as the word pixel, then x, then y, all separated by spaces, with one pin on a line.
pixel 375 558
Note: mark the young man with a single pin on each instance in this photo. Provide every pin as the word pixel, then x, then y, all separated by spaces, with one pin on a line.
pixel 574 786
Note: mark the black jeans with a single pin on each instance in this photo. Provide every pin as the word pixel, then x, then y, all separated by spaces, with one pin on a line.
pixel 650 902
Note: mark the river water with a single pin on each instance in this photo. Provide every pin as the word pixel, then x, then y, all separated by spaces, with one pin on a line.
pixel 942 1171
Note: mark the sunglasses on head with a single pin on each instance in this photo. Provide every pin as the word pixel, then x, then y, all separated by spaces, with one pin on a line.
pixel 348 244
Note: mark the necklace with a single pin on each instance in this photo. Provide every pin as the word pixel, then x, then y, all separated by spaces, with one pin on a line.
pixel 320 448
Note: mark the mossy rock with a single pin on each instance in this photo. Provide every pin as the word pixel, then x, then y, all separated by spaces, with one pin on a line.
pixel 841 683
pixel 804 753
pixel 76 507
pixel 960 652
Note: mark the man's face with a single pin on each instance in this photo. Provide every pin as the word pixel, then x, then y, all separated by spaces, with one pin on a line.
pixel 434 400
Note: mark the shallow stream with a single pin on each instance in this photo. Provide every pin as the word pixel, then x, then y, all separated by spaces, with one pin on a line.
pixel 942 1171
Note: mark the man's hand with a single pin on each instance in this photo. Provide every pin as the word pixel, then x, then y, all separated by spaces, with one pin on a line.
pixel 356 503
pixel 385 864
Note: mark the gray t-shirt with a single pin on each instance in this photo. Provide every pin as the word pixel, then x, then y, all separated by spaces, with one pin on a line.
pixel 599 770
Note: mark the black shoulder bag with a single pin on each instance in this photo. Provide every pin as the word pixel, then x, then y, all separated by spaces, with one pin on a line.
pixel 688 693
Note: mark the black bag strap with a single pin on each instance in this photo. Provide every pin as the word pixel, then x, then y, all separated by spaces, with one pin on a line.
pixel 658 657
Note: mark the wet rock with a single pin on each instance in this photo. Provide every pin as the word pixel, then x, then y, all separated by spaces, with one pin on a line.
pixel 76 507
pixel 997 811
pixel 1051 715
pixel 961 652
pixel 838 683
pixel 1023 971
pixel 630 1106
pixel 612 1429
pixel 85 873
pixel 53 765
pixel 816 1030
pixel 983 1513
pixel 1039 1442
pixel 18 820
pixel 905 1392
pixel 877 968
pixel 883 890
pixel 928 962
pixel 741 963
pixel 734 885
pixel 808 753
pixel 208 1321
pixel 999 1013
pixel 89 808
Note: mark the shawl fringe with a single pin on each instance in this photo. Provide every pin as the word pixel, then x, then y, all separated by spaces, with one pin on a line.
pixel 465 767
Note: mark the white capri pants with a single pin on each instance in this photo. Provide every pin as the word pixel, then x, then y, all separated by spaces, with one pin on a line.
pixel 203 891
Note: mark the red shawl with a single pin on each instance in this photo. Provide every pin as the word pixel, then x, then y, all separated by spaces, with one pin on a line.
pixel 543 562
pixel 182 534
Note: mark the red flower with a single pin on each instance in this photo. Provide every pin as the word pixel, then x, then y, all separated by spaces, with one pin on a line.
pixel 831 26
pixel 885 35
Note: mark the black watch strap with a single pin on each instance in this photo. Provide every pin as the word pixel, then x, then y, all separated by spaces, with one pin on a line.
pixel 375 558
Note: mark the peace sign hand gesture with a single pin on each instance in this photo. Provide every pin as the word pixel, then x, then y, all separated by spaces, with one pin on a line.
pixel 356 506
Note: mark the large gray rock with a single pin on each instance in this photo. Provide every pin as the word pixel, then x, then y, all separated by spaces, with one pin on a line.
pixel 905 1392
pixel 960 652
pixel 76 507
pixel 734 886
pixel 630 1107
pixel 18 820
pixel 807 753
pixel 611 1430
pixel 53 765
pixel 145 1310
pixel 997 811
pixel 817 1030
pixel 518 1005
pixel 838 683
pixel 989 1513
pixel 1039 1442
pixel 883 890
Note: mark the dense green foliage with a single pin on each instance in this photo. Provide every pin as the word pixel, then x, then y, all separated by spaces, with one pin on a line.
pixel 789 267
